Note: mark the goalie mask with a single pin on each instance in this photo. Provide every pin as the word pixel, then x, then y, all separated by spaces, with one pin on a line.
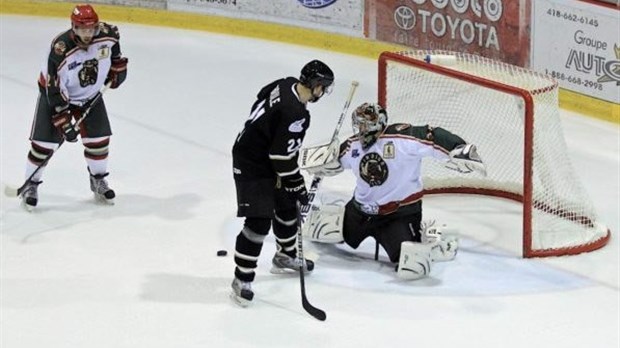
pixel 315 74
pixel 85 24
pixel 369 121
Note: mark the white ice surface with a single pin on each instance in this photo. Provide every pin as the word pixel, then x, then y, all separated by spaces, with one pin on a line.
pixel 143 273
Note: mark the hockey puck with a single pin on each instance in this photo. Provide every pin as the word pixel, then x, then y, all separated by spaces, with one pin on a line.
pixel 222 253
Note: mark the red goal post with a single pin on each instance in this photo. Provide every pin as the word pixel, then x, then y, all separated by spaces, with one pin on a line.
pixel 512 115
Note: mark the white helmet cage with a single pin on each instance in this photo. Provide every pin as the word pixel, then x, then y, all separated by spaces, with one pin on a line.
pixel 369 120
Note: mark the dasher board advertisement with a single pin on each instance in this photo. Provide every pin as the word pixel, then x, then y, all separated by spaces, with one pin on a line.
pixel 496 29
pixel 579 45
pixel 338 16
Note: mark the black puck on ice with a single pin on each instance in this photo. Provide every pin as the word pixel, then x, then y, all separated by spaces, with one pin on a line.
pixel 222 253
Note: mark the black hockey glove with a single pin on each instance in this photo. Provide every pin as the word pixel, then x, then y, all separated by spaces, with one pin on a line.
pixel 118 72
pixel 63 121
pixel 296 189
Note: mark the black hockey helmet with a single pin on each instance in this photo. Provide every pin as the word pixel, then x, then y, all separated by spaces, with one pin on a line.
pixel 316 73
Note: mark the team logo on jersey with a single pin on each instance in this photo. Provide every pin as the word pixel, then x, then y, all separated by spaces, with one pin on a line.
pixel 60 48
pixel 297 126
pixel 389 150
pixel 89 72
pixel 103 52
pixel 373 169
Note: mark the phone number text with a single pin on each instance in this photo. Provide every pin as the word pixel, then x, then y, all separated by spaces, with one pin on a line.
pixel 564 77
pixel 572 17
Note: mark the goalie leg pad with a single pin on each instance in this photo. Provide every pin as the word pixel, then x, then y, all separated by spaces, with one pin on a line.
pixel 415 261
pixel 325 224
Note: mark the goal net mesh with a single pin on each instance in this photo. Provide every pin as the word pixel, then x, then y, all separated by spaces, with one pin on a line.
pixel 512 115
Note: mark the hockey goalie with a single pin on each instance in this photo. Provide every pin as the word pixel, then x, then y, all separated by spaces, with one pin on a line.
pixel 387 202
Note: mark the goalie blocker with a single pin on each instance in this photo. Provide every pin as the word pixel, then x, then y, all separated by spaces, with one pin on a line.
pixel 325 225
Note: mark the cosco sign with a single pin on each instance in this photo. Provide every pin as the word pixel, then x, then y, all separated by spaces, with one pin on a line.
pixel 316 3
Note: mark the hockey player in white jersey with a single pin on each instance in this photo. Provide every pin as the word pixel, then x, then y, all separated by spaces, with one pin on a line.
pixel 79 62
pixel 387 203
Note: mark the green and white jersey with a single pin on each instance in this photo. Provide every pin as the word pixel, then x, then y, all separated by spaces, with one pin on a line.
pixel 390 169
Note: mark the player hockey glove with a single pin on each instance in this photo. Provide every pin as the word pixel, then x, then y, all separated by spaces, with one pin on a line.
pixel 118 72
pixel 63 122
pixel 296 189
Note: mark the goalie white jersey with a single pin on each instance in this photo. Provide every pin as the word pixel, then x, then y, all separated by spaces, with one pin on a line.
pixel 394 161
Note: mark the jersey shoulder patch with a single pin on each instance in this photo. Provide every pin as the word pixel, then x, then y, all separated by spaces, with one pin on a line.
pixel 109 30
pixel 406 129
pixel 62 44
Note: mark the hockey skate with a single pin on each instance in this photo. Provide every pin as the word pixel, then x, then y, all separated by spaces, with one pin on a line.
pixel 30 196
pixel 445 249
pixel 285 264
pixel 443 242
pixel 242 293
pixel 100 188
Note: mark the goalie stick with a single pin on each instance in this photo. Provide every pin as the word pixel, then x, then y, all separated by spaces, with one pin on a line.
pixel 14 192
pixel 302 214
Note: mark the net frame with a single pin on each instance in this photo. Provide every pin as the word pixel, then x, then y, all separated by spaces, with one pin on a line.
pixel 527 93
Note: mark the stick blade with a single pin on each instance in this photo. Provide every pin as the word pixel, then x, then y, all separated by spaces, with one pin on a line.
pixel 313 311
pixel 10 191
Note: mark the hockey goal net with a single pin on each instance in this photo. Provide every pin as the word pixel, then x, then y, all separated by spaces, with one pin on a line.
pixel 512 115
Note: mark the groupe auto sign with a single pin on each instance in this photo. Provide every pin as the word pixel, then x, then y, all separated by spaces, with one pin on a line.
pixel 440 24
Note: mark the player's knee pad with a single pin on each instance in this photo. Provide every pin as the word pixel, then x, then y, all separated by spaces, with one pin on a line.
pixel 325 224
pixel 415 261
pixel 258 226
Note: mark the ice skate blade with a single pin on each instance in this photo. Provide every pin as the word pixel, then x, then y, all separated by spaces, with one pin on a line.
pixel 27 207
pixel 278 270
pixel 101 199
pixel 238 300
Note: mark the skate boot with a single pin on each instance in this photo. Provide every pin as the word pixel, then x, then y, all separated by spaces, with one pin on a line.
pixel 242 293
pixel 445 249
pixel 283 264
pixel 100 188
pixel 30 196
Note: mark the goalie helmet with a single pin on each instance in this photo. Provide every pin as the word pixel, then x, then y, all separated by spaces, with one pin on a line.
pixel 85 24
pixel 317 73
pixel 369 120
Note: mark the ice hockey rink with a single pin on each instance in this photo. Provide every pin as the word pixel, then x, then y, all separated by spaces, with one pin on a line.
pixel 144 272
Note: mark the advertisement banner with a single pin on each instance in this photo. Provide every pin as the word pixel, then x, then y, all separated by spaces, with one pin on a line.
pixel 338 16
pixel 579 45
pixel 497 29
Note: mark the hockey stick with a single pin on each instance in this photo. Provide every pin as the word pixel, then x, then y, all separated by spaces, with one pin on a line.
pixel 302 214
pixel 316 180
pixel 309 308
pixel 14 192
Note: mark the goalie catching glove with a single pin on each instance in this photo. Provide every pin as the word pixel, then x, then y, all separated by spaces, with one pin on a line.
pixel 321 160
pixel 465 159
pixel 63 121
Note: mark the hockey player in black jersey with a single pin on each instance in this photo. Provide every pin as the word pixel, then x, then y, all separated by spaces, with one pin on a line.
pixel 267 176
pixel 387 202
pixel 79 62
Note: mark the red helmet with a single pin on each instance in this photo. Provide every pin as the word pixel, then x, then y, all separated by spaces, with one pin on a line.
pixel 84 15
pixel 85 24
